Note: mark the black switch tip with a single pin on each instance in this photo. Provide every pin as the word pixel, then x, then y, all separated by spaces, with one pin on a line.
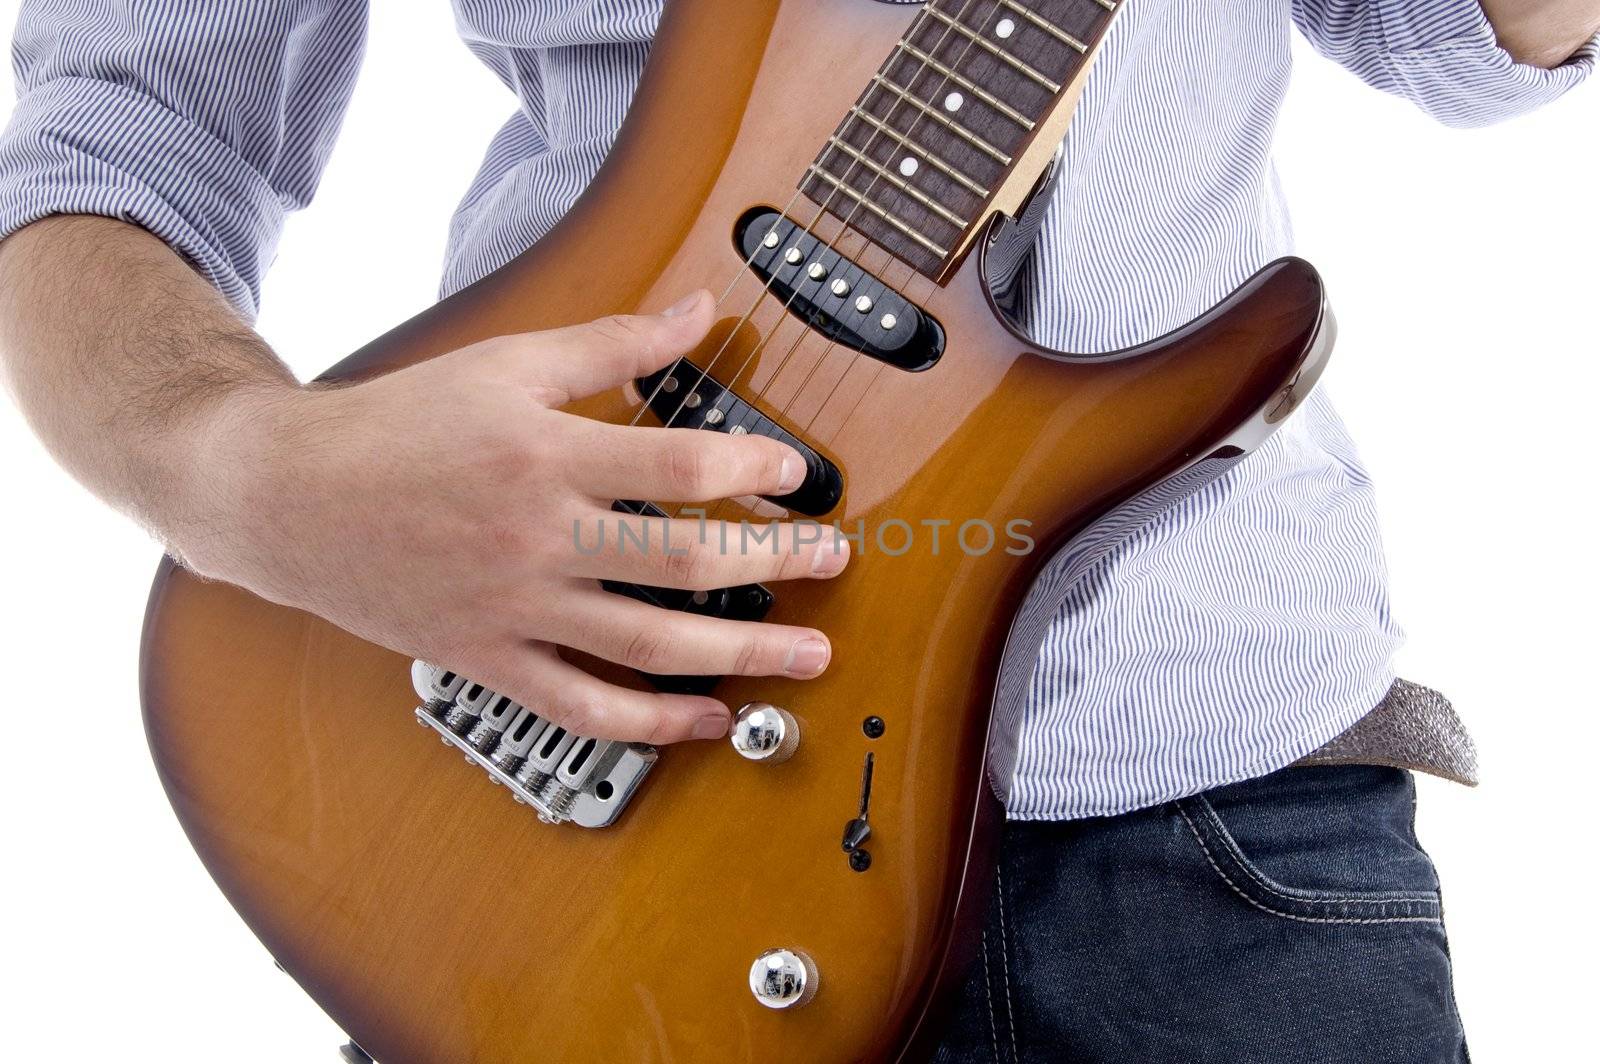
pixel 856 832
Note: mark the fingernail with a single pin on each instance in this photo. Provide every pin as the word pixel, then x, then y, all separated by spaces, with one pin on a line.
pixel 807 658
pixel 791 474
pixel 831 556
pixel 682 306
pixel 712 726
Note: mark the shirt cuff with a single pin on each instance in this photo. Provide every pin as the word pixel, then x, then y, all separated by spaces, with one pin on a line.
pixel 82 146
pixel 1447 53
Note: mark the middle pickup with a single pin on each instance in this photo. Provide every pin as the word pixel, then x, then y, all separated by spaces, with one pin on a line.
pixel 684 396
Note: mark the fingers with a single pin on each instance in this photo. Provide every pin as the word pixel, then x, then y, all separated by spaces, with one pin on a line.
pixel 681 465
pixel 588 706
pixel 691 555
pixel 567 364
pixel 665 642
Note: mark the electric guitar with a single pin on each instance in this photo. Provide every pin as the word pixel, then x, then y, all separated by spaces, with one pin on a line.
pixel 455 878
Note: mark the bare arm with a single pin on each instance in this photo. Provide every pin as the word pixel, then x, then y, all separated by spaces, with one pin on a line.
pixel 132 370
pixel 1543 33
pixel 430 510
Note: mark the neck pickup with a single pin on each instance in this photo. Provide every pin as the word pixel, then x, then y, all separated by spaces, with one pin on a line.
pixel 835 296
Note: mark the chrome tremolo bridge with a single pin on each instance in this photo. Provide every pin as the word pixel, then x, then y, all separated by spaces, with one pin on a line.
pixel 564 777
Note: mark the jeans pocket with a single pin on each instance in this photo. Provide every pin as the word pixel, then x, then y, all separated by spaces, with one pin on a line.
pixel 1322 845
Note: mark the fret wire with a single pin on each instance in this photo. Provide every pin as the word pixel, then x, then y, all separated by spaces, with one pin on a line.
pixel 994 49
pixel 933 112
pixel 1049 27
pixel 966 83
pixel 928 202
pixel 951 172
pixel 904 227
pixel 1109 5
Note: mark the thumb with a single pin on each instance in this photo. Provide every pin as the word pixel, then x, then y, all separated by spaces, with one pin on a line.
pixel 581 360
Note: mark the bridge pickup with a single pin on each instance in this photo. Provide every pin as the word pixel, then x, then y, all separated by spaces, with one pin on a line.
pixel 682 395
pixel 834 295
pixel 747 602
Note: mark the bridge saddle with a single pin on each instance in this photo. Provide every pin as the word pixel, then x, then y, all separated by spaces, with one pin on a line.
pixel 562 776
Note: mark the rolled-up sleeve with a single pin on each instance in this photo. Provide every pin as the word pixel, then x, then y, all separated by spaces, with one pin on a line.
pixel 1440 54
pixel 205 122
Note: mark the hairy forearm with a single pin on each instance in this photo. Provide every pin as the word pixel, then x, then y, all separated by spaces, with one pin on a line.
pixel 131 369
pixel 434 509
pixel 1543 33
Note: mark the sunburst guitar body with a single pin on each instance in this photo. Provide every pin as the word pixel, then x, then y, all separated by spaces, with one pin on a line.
pixel 811 895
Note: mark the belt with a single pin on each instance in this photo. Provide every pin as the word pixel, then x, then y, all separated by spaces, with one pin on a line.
pixel 1414 727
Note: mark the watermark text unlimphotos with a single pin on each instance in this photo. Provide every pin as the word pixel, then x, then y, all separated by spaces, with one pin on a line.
pixel 624 533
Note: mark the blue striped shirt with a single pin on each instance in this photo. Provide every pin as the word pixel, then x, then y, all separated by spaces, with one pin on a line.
pixel 1224 639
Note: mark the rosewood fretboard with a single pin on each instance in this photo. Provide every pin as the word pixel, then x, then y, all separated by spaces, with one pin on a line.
pixel 919 160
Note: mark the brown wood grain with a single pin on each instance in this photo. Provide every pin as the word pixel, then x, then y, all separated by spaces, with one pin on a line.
pixel 439 923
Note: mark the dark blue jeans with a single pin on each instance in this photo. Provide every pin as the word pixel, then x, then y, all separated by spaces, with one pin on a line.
pixel 1291 919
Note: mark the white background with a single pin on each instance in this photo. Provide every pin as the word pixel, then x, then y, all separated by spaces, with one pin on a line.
pixel 1463 269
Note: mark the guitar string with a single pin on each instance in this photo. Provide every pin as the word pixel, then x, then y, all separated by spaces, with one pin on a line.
pixel 766 288
pixel 882 272
pixel 861 197
pixel 911 84
pixel 649 402
pixel 788 407
pixel 851 364
pixel 878 372
pixel 855 357
pixel 845 231
pixel 879 273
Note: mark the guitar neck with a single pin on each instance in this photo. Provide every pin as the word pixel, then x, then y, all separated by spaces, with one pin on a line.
pixel 957 123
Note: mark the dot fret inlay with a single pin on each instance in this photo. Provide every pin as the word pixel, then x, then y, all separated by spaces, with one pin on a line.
pixel 946 118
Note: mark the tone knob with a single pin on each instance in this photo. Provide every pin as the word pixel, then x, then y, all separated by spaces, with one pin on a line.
pixel 763 732
pixel 783 979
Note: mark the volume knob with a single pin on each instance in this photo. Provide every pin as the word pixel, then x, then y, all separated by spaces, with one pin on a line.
pixel 763 732
pixel 783 979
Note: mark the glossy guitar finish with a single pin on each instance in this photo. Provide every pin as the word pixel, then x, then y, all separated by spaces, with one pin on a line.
pixel 437 921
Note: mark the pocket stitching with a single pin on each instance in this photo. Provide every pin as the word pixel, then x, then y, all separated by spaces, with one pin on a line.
pixel 988 991
pixel 1005 963
pixel 1212 861
pixel 1303 897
